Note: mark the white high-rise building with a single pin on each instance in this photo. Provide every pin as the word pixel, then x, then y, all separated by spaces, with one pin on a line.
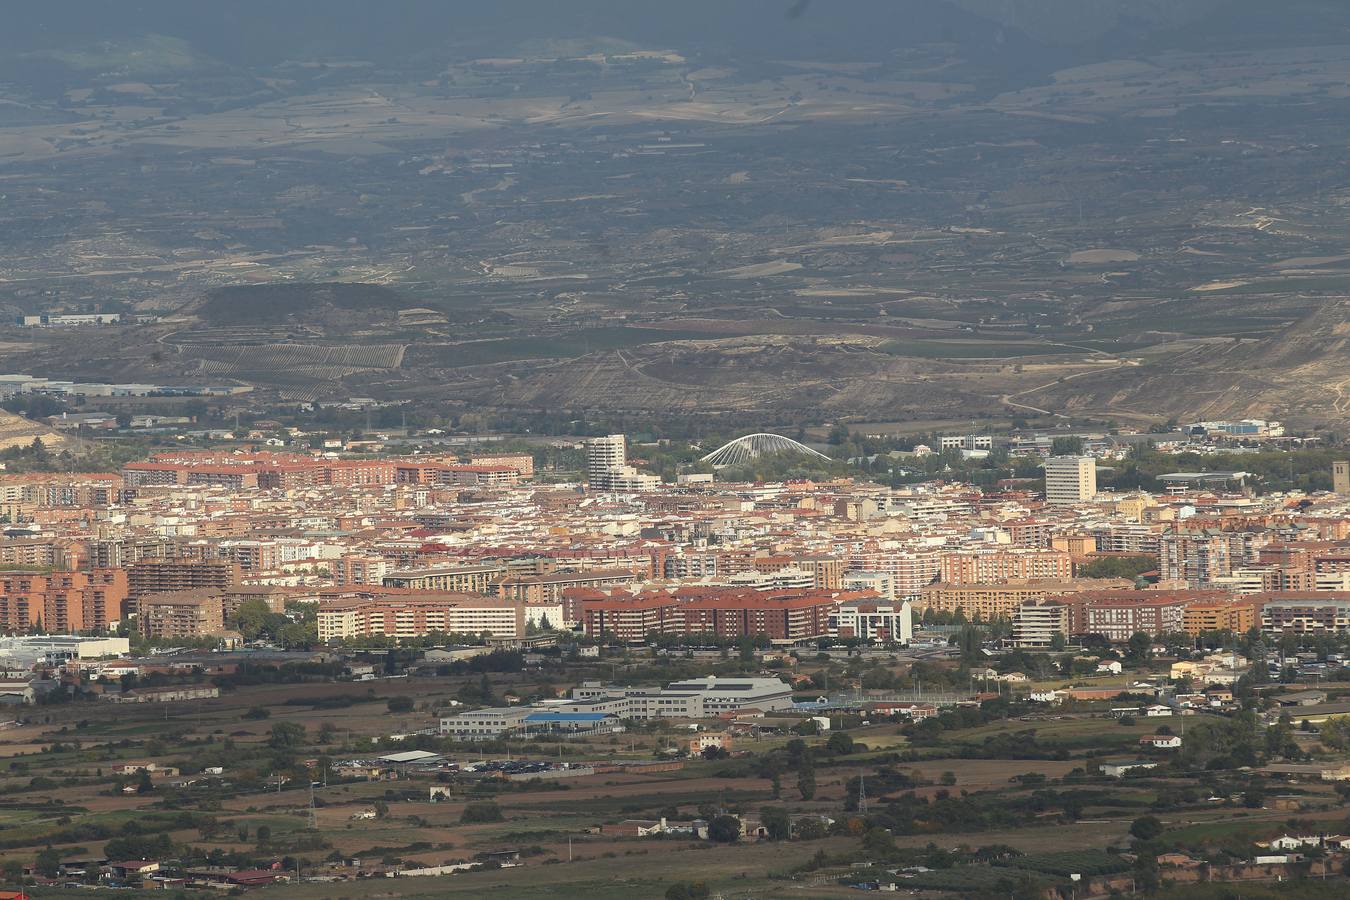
pixel 1070 479
pixel 604 454
pixel 607 468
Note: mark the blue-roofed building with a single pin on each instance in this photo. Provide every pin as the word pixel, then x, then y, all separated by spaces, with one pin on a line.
pixel 572 723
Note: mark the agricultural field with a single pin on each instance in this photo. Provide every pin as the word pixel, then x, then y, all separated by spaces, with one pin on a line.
pixel 1019 786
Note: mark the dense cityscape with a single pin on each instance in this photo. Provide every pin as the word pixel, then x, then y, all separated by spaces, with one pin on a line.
pixel 451 627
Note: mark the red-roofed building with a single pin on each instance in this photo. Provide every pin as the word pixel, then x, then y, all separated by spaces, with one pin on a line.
pixel 631 618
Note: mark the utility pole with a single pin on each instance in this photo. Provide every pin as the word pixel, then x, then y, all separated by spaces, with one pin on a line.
pixel 313 817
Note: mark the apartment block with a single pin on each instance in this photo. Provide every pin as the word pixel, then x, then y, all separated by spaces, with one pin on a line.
pixel 986 566
pixel 785 617
pixel 1311 612
pixel 1195 558
pixel 163 576
pixel 910 568
pixel 550 588
pixel 360 568
pixel 181 614
pixel 61 601
pixel 879 621
pixel 478 579
pixel 1036 623
pixel 416 615
pixel 1235 616
pixel 1001 600
pixel 879 583
pixel 1070 480
pixel 1120 616
pixel 522 463
pixel 630 619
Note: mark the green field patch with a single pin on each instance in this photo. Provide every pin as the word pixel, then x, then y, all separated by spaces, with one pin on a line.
pixel 1212 832
pixel 1073 862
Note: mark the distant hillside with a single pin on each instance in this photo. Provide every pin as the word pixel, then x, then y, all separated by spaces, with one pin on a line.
pixel 263 32
pixel 276 304
pixel 1075 21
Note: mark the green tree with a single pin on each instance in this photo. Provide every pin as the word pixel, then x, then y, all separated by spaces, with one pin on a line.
pixel 49 862
pixel 970 641
pixel 286 736
pixel 878 844
pixel 777 823
pixel 1335 733
pixel 485 811
pixel 1117 567
pixel 724 829
pixel 1139 647
pixel 400 704
pixel 1066 446
pixel 809 829
pixel 840 743
pixel 806 782
pixel 251 619
pixel 1146 828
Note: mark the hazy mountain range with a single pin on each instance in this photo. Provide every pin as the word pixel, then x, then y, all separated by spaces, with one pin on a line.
pixel 261 32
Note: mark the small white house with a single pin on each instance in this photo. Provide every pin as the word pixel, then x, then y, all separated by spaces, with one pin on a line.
pixel 1157 711
pixel 1109 667
pixel 1295 842
pixel 1161 741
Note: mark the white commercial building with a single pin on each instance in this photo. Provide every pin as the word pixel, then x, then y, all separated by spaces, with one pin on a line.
pixel 23 651
pixel 695 698
pixel 599 706
pixel 484 724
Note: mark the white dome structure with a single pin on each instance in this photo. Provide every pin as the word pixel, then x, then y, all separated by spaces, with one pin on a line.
pixel 753 446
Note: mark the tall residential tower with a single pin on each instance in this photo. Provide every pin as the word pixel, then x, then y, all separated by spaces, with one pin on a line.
pixel 1070 479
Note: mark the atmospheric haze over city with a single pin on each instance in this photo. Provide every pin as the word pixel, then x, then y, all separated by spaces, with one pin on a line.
pixel 675 449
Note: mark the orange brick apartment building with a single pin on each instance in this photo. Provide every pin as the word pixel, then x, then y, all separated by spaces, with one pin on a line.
pixel 62 601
